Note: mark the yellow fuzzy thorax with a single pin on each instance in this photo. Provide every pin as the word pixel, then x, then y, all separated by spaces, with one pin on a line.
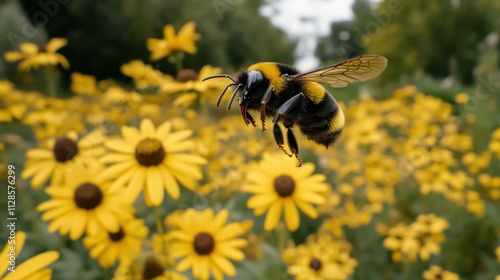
pixel 271 72
pixel 314 91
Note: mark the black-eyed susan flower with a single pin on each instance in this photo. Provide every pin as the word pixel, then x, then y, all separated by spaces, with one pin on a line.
pixel 153 160
pixel 437 273
pixel 205 243
pixel 320 258
pixel 144 75
pixel 85 204
pixel 83 84
pixel 397 237
pixel 278 186
pixel 494 145
pixel 32 268
pixel 183 41
pixel 14 103
pixel 33 56
pixel 190 88
pixel 62 155
pixel 147 268
pixel 122 245
pixel 421 239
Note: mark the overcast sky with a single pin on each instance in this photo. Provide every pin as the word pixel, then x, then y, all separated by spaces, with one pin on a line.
pixel 307 20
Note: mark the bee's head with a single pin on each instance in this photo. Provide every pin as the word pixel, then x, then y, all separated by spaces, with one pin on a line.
pixel 249 88
pixel 247 93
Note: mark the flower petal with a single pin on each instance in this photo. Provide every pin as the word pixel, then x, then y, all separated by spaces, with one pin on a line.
pixel 224 264
pixel 154 189
pixel 273 215
pixel 147 128
pixel 171 185
pixel 291 215
pixel 32 265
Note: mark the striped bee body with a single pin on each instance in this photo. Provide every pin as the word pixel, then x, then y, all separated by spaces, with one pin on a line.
pixel 298 99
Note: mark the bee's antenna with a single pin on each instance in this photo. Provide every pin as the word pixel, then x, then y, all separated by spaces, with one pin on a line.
pixel 219 76
pixel 222 93
pixel 233 96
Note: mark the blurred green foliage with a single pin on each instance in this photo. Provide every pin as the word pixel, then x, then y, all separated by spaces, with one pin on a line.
pixel 439 37
pixel 103 35
pixel 425 42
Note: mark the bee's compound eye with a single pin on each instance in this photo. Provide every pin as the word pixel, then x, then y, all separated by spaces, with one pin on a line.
pixel 245 95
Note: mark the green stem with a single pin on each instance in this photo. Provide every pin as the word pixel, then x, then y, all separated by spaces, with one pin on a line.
pixel 109 273
pixel 49 81
pixel 176 59
pixel 282 237
pixel 282 232
pixel 159 225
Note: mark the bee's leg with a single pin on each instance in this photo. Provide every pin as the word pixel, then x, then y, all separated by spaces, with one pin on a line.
pixel 263 102
pixel 293 146
pixel 250 119
pixel 278 137
pixel 285 107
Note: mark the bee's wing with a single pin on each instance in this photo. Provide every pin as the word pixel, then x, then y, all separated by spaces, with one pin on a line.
pixel 358 69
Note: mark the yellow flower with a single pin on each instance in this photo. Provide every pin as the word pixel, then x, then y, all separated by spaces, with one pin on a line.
pixel 394 240
pixel 432 224
pixel 475 204
pixel 33 56
pixel 122 245
pixel 84 204
pixel 83 84
pixel 494 145
pixel 189 85
pixel 63 154
pixel 183 41
pixel 6 87
pixel 149 268
pixel 437 273
pixel 279 186
pixel 15 103
pixel 462 98
pixel 144 75
pixel 206 243
pixel 12 110
pixel 320 258
pixel 419 239
pixel 152 160
pixel 32 268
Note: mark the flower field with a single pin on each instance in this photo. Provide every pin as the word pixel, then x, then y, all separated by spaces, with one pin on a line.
pixel 151 180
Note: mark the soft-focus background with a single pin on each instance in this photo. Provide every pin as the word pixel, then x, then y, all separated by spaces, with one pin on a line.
pixel 413 185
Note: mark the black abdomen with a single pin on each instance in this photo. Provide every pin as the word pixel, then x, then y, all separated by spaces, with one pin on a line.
pixel 322 122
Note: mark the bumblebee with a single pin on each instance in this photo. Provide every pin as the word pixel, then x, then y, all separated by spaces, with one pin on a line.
pixel 297 99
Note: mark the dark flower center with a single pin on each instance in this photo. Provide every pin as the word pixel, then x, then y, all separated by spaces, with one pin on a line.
pixel 149 152
pixel 42 48
pixel 315 264
pixel 204 244
pixel 88 196
pixel 117 236
pixel 186 75
pixel 284 185
pixel 65 149
pixel 152 268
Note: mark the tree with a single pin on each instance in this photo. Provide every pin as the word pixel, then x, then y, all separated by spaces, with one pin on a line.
pixel 440 37
pixel 105 34
pixel 343 41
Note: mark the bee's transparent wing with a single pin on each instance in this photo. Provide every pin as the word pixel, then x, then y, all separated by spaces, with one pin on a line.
pixel 358 69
